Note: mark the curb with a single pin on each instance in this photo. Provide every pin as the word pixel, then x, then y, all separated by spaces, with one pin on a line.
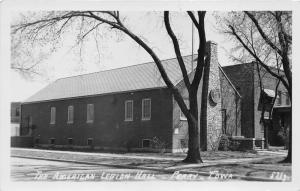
pixel 169 171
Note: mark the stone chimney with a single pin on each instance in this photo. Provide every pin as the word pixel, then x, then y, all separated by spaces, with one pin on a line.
pixel 211 128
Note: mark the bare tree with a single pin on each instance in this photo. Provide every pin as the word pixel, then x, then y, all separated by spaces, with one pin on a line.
pixel 48 27
pixel 266 38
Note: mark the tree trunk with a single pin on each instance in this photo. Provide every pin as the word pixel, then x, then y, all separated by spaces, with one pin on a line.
pixel 288 159
pixel 267 136
pixel 193 155
pixel 204 98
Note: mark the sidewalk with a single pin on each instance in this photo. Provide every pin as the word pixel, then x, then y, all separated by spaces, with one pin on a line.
pixel 249 167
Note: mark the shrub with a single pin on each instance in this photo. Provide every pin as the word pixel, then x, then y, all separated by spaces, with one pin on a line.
pixel 159 144
pixel 283 134
pixel 224 143
pixel 227 144
pixel 234 145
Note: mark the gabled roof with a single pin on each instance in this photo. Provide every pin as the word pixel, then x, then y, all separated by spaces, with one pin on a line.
pixel 136 77
pixel 231 84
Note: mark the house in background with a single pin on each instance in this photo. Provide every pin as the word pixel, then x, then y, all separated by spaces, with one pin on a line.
pixel 130 108
pixel 15 118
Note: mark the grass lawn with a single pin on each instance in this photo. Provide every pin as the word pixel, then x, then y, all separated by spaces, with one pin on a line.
pixel 268 168
pixel 263 165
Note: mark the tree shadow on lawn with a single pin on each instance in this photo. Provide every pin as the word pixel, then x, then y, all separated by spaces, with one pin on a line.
pixel 155 163
pixel 164 164
pixel 263 168
pixel 275 160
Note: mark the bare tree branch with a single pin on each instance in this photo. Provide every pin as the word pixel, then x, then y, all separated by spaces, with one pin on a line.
pixel 177 50
pixel 258 59
pixel 263 35
pixel 193 18
pixel 201 50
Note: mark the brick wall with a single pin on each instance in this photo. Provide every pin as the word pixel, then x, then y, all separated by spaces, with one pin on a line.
pixel 231 104
pixel 21 141
pixel 109 128
pixel 180 125
pixel 242 77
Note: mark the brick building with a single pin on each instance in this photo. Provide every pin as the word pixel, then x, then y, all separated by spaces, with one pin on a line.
pixel 245 78
pixel 128 108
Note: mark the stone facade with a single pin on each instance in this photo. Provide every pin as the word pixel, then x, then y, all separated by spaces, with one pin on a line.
pixel 214 118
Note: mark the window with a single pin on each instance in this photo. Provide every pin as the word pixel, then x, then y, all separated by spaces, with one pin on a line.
pixel 184 143
pixel 182 116
pixel 52 141
pixel 70 141
pixel 176 130
pixel 90 113
pixel 17 112
pixel 30 125
pixel 52 115
pixel 129 110
pixel 90 141
pixel 29 118
pixel 278 98
pixel 70 114
pixel 146 109
pixel 287 99
pixel 146 143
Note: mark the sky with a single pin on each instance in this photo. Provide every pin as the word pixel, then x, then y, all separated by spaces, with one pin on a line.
pixel 119 51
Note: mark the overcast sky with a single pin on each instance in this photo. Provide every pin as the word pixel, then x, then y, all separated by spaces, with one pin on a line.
pixel 119 51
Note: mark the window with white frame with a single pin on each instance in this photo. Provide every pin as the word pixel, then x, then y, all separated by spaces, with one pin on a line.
pixel 52 115
pixel 129 110
pixel 182 116
pixel 70 114
pixel 90 113
pixel 146 109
